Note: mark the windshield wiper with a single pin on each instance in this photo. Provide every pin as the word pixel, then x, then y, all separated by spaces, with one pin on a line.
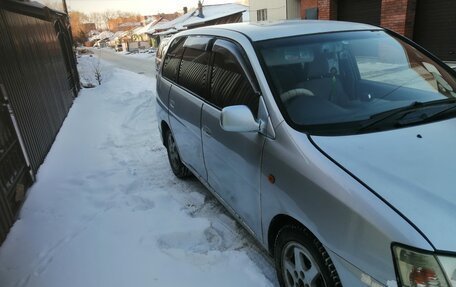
pixel 398 114
pixel 426 116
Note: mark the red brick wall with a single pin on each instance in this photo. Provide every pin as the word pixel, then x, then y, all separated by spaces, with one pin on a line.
pixel 399 16
pixel 327 9
pixel 306 4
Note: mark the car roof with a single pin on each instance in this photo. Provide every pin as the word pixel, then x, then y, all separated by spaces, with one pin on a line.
pixel 258 31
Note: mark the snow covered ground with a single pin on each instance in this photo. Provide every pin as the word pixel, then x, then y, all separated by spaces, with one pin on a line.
pixel 138 63
pixel 106 209
pixel 139 55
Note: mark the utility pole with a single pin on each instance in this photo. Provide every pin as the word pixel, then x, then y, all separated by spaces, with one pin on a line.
pixel 65 7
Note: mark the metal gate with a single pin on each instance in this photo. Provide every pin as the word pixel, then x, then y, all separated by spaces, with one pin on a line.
pixel 435 27
pixel 361 11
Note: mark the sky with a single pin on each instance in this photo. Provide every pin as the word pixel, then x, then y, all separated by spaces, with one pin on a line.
pixel 143 7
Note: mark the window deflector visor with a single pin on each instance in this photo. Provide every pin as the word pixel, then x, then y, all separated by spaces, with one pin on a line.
pixel 221 45
pixel 198 42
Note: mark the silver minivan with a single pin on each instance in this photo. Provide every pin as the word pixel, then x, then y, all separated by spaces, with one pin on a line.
pixel 331 142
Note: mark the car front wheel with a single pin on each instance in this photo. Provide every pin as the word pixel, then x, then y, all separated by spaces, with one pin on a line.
pixel 301 260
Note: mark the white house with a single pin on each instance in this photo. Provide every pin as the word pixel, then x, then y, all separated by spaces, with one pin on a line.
pixel 204 15
pixel 270 10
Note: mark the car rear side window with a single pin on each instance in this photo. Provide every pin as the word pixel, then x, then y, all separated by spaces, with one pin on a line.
pixel 229 83
pixel 193 72
pixel 173 58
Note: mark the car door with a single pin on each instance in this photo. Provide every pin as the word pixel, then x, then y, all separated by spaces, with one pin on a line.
pixel 232 159
pixel 185 100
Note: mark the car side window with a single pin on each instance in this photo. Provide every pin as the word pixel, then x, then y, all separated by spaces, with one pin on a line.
pixel 173 58
pixel 229 83
pixel 194 65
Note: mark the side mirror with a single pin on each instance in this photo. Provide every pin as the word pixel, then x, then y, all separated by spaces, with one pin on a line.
pixel 238 119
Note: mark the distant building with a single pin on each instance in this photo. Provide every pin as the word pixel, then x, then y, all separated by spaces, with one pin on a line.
pixel 145 33
pixel 169 16
pixel 431 24
pixel 270 10
pixel 202 16
pixel 125 23
pixel 86 28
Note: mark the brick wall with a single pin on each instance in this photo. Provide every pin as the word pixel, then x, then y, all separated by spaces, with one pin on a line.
pixel 306 4
pixel 399 16
pixel 327 9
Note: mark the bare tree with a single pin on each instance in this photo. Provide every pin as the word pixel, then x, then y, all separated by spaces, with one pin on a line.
pixel 95 17
pixel 108 15
pixel 102 19
pixel 97 71
pixel 77 19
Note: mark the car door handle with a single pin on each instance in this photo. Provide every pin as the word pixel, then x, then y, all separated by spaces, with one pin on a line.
pixel 171 104
pixel 207 131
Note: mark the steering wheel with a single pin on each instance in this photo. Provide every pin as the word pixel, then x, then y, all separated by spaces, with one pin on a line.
pixel 290 94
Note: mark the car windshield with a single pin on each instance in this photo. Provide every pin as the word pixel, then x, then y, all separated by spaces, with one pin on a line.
pixel 335 82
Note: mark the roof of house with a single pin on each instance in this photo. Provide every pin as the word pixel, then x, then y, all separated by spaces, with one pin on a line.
pixel 130 24
pixel 258 31
pixel 118 35
pixel 150 28
pixel 103 35
pixel 210 12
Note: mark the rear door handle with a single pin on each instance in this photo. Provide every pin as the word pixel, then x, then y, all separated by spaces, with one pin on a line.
pixel 171 104
pixel 207 131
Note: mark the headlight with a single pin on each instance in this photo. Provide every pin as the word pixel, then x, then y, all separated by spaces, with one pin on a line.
pixel 449 266
pixel 419 269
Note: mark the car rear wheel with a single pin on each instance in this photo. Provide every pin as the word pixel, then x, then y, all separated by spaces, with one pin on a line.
pixel 178 168
pixel 301 260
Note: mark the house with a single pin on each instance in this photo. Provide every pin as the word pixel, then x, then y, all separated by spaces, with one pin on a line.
pixel 87 27
pixel 204 15
pixel 138 38
pixel 275 9
pixel 100 40
pixel 116 38
pixel 431 24
pixel 144 33
pixel 125 23
pixel 105 35
pixel 169 16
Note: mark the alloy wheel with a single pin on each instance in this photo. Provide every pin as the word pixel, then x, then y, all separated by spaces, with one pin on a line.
pixel 300 268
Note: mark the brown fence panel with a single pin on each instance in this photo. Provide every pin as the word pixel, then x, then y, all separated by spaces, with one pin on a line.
pixel 38 82
pixel 14 176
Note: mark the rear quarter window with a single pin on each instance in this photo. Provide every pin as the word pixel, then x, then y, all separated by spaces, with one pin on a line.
pixel 193 72
pixel 171 62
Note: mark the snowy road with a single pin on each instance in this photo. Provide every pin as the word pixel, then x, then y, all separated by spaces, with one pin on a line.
pixel 106 209
pixel 144 64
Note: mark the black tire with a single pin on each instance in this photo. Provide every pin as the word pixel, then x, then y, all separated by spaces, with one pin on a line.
pixel 295 240
pixel 178 168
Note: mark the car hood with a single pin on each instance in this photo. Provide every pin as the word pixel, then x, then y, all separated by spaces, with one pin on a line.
pixel 413 169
